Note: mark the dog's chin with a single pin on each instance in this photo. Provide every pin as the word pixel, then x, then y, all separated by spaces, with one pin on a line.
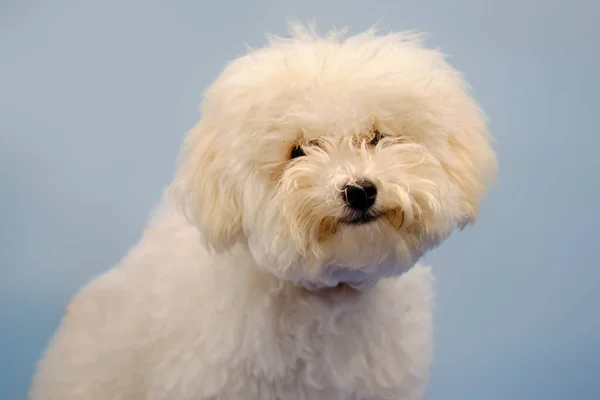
pixel 352 251
pixel 357 275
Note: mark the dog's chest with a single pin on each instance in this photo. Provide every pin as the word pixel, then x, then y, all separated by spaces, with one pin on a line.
pixel 341 350
pixel 297 349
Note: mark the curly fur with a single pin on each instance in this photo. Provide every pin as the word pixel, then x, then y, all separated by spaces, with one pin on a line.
pixel 250 283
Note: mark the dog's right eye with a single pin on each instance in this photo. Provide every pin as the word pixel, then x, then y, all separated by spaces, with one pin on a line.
pixel 376 138
pixel 297 152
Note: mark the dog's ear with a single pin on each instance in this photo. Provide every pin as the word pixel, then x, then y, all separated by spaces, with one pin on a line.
pixel 471 164
pixel 205 189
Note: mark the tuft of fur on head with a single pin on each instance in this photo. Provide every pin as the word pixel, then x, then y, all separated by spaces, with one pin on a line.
pixel 377 107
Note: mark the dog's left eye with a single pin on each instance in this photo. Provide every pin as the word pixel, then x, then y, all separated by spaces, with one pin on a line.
pixel 297 152
pixel 376 138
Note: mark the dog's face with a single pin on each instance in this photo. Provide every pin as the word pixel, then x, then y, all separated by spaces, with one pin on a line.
pixel 336 159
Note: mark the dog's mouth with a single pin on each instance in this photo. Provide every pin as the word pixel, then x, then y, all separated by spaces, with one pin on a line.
pixel 330 225
pixel 394 216
pixel 360 218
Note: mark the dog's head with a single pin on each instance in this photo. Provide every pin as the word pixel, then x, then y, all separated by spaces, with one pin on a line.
pixel 336 159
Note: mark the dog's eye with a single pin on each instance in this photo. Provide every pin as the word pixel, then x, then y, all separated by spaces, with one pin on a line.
pixel 297 152
pixel 376 138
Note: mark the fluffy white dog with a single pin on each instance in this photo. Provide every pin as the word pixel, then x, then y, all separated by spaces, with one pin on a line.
pixel 321 166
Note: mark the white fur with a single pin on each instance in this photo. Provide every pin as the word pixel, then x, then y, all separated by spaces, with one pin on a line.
pixel 233 293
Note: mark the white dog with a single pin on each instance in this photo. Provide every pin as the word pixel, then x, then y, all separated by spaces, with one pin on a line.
pixel 321 166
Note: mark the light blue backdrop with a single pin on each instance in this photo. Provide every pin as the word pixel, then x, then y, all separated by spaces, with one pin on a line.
pixel 96 96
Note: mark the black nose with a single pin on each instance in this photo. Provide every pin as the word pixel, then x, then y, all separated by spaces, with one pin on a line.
pixel 360 195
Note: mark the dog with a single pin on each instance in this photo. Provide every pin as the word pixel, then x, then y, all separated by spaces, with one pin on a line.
pixel 282 262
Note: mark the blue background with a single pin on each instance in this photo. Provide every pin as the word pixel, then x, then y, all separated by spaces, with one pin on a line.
pixel 95 98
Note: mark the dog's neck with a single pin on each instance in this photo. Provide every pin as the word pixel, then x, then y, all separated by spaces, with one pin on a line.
pixel 332 278
pixel 342 279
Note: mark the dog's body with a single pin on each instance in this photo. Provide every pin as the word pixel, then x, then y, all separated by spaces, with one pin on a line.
pixel 164 326
pixel 282 264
